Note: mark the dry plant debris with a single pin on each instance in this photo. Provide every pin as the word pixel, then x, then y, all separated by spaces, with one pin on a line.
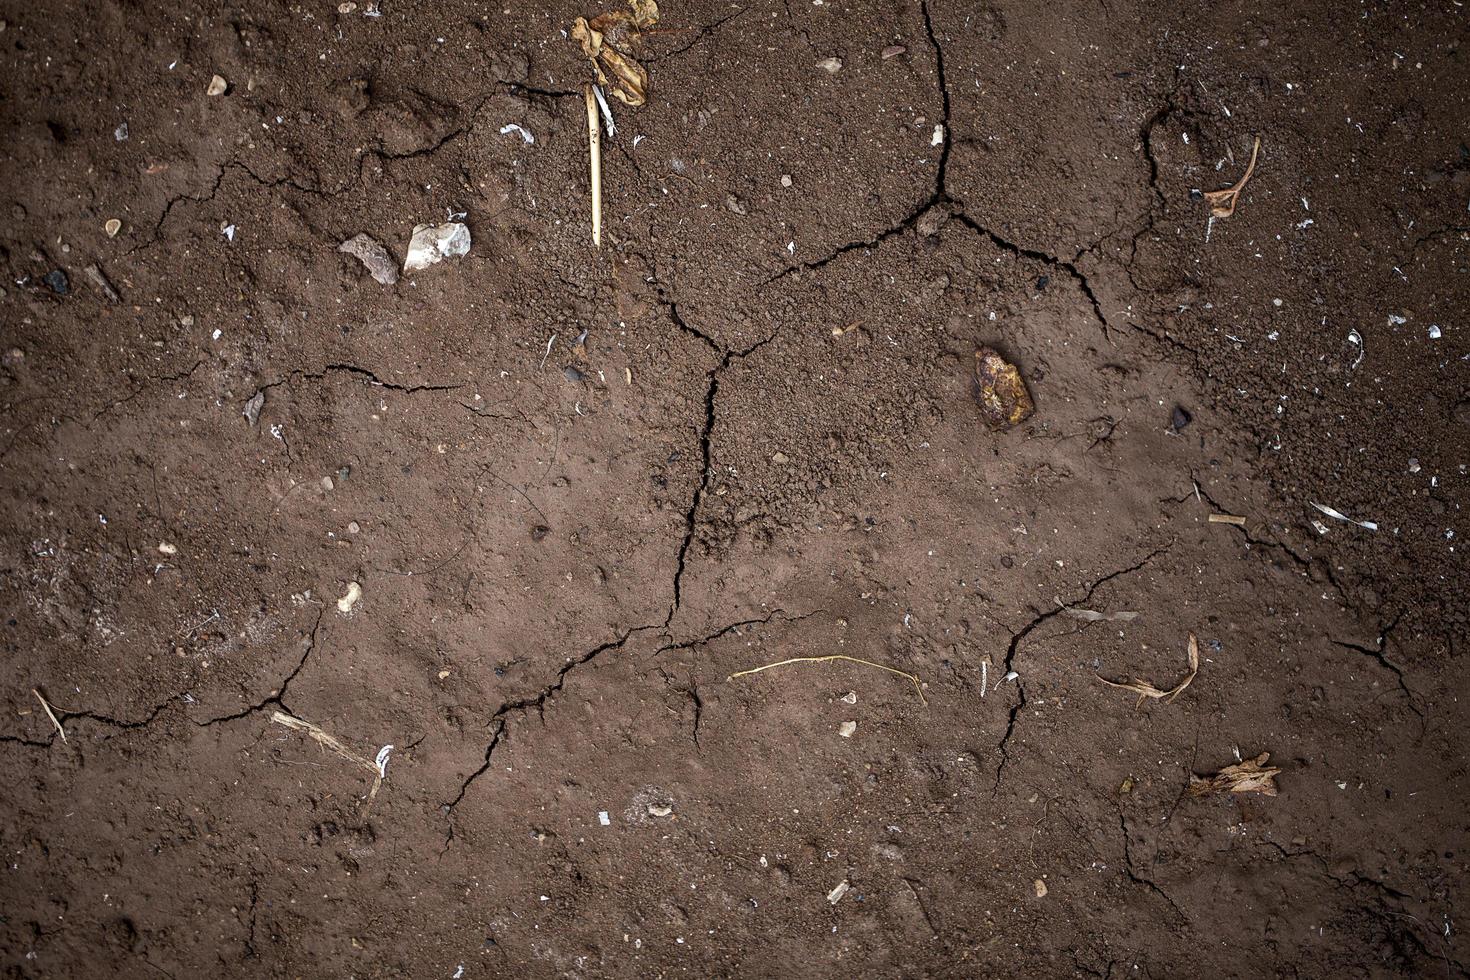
pixel 918 688
pixel 1093 616
pixel 1222 202
pixel 609 40
pixel 1004 400
pixel 50 714
pixel 1145 690
pixel 1250 776
pixel 1234 519
pixel 594 157
pixel 329 742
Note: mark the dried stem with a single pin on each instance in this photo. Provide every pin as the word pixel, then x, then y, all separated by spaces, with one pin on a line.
pixel 1222 203
pixel 50 714
pixel 594 155
pixel 918 688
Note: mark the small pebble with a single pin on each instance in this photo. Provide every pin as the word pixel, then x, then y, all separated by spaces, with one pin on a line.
pixel 849 698
pixel 121 132
pixel 13 356
pixel 603 818
pixel 165 548
pixel 785 180
pixel 1181 417
pixel 345 604
pixel 654 810
pixel 327 483
pixel 58 282
pixel 1434 332
pixel 893 51
pixel 353 527
pixel 1039 887
pixel 832 65
pixel 443 674
pixel 217 86
pixel 112 227
pixel 539 532
pixel 847 728
pixel 572 374
pixel 780 459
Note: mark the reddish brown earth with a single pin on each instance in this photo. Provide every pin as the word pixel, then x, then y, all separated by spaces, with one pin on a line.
pixel 564 552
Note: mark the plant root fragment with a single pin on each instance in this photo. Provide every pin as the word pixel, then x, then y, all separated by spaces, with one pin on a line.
pixel 918 687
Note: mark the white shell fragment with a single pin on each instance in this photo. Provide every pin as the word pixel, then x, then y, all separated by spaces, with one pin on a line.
pixel 835 895
pixel 374 256
pixel 847 728
pixel 217 86
pixel 603 818
pixel 520 130
pixel 382 760
pixel 435 243
pixel 345 604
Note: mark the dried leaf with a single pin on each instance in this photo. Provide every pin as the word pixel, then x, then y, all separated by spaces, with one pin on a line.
pixel 1250 776
pixel 1146 690
pixel 1004 400
pixel 608 41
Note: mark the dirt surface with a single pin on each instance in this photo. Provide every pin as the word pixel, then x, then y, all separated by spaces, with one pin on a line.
pixel 766 446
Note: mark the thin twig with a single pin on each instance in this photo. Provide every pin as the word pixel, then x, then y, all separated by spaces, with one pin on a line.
pixel 594 154
pixel 918 688
pixel 50 714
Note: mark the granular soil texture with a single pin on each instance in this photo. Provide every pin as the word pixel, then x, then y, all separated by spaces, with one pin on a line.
pixel 523 514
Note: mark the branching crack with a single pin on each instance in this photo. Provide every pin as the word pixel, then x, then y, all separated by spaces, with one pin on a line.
pixel 1026 630
pixel 355 370
pixel 1135 877
pixel 277 699
pixel 704 32
pixel 937 198
pixel 726 630
pixel 710 396
pixel 1380 654
pixel 499 721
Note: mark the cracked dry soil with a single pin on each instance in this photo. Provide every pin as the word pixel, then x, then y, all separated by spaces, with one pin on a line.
pixel 564 553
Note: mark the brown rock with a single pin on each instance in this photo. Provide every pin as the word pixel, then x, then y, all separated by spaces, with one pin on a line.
pixel 1004 400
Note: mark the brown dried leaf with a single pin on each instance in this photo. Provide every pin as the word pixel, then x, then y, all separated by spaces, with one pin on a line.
pixel 1004 400
pixel 608 41
pixel 1146 690
pixel 1250 776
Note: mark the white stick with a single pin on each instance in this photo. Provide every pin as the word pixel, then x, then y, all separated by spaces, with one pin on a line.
pixel 594 152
